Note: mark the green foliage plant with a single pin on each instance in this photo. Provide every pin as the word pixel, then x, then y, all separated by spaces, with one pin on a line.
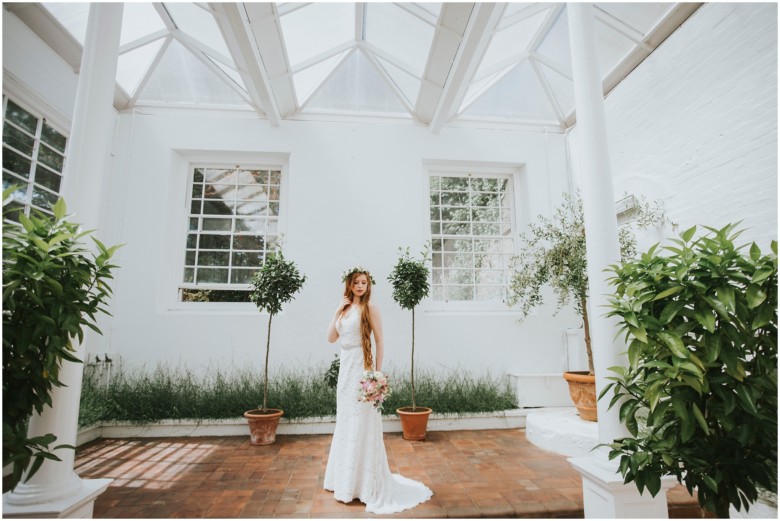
pixel 553 252
pixel 699 396
pixel 332 374
pixel 273 285
pixel 53 286
pixel 409 279
pixel 143 395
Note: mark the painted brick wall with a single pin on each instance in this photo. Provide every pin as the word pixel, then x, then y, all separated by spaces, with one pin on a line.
pixel 696 123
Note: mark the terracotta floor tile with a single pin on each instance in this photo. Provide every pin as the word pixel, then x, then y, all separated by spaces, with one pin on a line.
pixel 493 473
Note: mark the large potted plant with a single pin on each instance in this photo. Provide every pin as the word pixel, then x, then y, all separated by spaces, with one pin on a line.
pixel 53 286
pixel 699 396
pixel 409 279
pixel 274 284
pixel 552 253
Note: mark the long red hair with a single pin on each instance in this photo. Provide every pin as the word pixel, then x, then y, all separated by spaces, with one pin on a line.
pixel 365 317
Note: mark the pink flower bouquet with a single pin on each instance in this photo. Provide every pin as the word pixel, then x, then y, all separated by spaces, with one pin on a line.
pixel 374 388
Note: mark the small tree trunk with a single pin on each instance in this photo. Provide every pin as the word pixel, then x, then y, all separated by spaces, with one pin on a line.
pixel 722 503
pixel 583 303
pixel 267 350
pixel 414 404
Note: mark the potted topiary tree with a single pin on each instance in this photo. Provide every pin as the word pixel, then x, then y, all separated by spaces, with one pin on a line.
pixel 52 287
pixel 699 396
pixel 553 252
pixel 274 284
pixel 409 279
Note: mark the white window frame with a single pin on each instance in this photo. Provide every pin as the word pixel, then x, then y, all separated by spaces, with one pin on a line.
pixel 174 251
pixel 56 123
pixel 510 171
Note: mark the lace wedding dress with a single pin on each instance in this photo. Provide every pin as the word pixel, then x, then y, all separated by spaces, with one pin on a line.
pixel 357 464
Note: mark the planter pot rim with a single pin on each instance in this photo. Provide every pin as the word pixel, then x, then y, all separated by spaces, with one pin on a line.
pixel 579 376
pixel 416 411
pixel 263 413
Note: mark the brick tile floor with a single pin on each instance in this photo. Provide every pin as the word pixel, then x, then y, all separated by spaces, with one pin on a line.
pixel 489 473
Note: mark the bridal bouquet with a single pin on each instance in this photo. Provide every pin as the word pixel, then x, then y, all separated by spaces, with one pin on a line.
pixel 374 388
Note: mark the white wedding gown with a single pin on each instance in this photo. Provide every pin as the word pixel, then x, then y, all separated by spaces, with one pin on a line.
pixel 357 464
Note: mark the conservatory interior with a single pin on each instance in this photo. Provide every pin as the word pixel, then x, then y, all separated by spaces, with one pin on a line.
pixel 482 144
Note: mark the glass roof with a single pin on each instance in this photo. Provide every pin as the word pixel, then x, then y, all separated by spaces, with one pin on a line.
pixel 375 58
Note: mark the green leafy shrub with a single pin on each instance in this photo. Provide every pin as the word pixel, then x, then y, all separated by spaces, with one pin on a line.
pixel 52 287
pixel 274 284
pixel 699 395
pixel 553 252
pixel 409 279
pixel 145 396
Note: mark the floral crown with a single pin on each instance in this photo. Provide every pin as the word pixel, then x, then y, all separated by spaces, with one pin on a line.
pixel 357 269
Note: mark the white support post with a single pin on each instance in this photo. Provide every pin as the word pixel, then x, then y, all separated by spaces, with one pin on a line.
pixel 55 490
pixel 604 494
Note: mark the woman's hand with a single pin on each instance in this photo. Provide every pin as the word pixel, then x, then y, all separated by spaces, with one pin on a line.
pixel 344 303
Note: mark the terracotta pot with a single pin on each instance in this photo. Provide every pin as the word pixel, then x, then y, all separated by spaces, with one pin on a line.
pixel 582 389
pixel 262 425
pixel 414 422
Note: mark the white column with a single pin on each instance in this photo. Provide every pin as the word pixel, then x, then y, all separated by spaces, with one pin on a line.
pixel 56 490
pixel 604 494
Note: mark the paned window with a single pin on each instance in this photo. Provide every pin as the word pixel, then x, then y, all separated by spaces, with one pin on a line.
pixel 233 224
pixel 33 159
pixel 471 237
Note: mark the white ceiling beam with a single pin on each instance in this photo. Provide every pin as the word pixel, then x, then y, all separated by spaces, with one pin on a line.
pixel 235 29
pixel 360 10
pixel 140 42
pixel 447 39
pixel 164 15
pixel 419 12
pixel 268 45
pixel 200 46
pixel 481 22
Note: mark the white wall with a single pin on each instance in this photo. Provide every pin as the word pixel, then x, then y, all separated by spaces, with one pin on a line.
pixel 696 123
pixel 357 191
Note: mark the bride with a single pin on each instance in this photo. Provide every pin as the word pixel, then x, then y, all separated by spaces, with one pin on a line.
pixel 357 464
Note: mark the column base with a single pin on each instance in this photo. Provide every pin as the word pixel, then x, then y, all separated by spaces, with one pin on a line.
pixel 605 496
pixel 77 505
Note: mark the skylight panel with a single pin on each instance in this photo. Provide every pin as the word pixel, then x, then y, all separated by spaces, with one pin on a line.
pixel 180 78
pixel 312 30
pixel 139 20
pixel 518 95
pixel 556 44
pixel 562 88
pixel 478 87
pixel 611 48
pixel 399 34
pixel 432 7
pixel 406 83
pixel 641 17
pixel 356 86
pixel 307 80
pixel 132 65
pixel 514 8
pixel 199 24
pixel 72 16
pixel 511 41
pixel 229 71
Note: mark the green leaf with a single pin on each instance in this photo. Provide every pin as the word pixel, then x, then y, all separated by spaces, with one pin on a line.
pixel 709 482
pixel 670 291
pixel 688 234
pixel 705 318
pixel 755 252
pixel 670 310
pixel 764 317
pixel 700 419
pixel 653 483
pixel 755 295
pixel 762 274
pixel 26 222
pixel 59 209
pixel 746 397
pixel 674 343
pixel 634 351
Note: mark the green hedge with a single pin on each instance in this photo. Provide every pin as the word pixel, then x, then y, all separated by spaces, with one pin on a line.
pixel 143 396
